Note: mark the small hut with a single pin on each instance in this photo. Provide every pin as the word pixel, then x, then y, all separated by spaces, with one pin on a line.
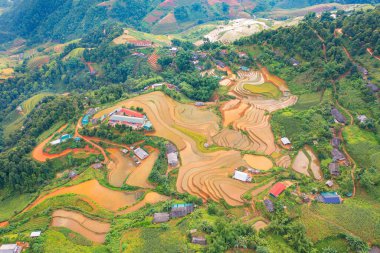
pixel 161 217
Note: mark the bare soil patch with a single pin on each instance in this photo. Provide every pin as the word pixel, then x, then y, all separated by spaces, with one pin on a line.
pixel 139 176
pixel 301 163
pixel 150 198
pixel 258 162
pixel 120 167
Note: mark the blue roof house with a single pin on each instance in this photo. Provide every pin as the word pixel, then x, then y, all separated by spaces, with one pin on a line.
pixel 330 198
pixel 85 120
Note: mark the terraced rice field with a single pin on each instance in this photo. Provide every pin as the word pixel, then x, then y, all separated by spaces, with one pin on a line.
pixel 109 199
pixel 258 162
pixel 266 89
pixel 301 163
pixel 91 229
pixel 314 164
pixel 121 166
pixel 139 176
pixel 284 161
pixel 280 83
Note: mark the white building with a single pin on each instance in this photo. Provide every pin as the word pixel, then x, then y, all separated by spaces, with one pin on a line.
pixel 285 141
pixel 242 176
pixel 35 234
pixel 56 142
pixel 141 153
pixel 172 159
pixel 10 248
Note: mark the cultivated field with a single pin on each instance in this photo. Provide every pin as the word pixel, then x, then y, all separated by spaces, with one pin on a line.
pixel 91 229
pixel 121 166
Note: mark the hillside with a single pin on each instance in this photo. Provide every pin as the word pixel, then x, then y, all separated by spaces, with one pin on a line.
pixel 67 19
pixel 255 140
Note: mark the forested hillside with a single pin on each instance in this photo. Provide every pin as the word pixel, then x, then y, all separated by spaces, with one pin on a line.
pixel 68 19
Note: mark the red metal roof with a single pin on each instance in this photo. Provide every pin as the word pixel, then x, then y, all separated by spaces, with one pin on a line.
pixel 277 189
pixel 130 113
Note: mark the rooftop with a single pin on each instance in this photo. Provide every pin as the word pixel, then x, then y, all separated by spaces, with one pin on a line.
pixel 141 153
pixel 277 189
pixel 242 176
pixel 285 141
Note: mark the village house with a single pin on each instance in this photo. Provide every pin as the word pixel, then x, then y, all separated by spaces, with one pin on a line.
pixel 10 248
pixel 138 54
pixel 160 217
pixel 269 205
pixel 72 174
pixel 124 151
pixel 362 118
pixel 172 159
pixel 220 64
pixel 241 176
pixel 363 70
pixel 199 103
pixel 181 210
pixel 335 142
pixel 61 139
pixel 338 117
pixel 277 189
pixel 97 166
pixel 334 169
pixel 294 62
pixel 198 240
pixel 242 55
pixel 329 183
pixel 254 171
pixel 285 141
pixel 329 198
pixel 140 153
pixel 244 68
pixel 337 155
pixel 373 87
pixel 35 234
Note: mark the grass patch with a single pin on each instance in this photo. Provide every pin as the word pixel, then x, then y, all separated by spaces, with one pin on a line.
pixel 55 240
pixel 338 244
pixel 363 146
pixel 361 217
pixel 305 101
pixel 200 140
pixel 266 89
pixel 13 204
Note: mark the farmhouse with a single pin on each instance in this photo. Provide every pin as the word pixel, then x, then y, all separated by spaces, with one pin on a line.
pixel 160 217
pixel 85 120
pixel 294 62
pixel 35 234
pixel 334 169
pixel 285 141
pixel 61 139
pixel 335 142
pixel 244 68
pixel 277 189
pixel 97 166
pixel 198 240
pixel 338 116
pixel 181 210
pixel 172 159
pixel 329 183
pixel 329 198
pixel 10 248
pixel 141 153
pixel 242 55
pixel 242 176
pixel 199 103
pixel 72 174
pixel 337 155
pixel 220 64
pixel 362 118
pixel 269 205
pixel 373 87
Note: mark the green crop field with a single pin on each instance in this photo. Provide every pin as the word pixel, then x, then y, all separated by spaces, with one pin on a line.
pixel 75 53
pixel 267 89
pixel 363 146
pixel 14 120
pixel 359 216
pixel 14 204
pixel 305 101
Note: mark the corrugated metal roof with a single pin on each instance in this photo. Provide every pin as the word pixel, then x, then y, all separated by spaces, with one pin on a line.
pixel 242 176
pixel 127 119
pixel 277 189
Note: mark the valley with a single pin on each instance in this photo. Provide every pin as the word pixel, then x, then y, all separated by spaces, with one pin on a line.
pixel 160 133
